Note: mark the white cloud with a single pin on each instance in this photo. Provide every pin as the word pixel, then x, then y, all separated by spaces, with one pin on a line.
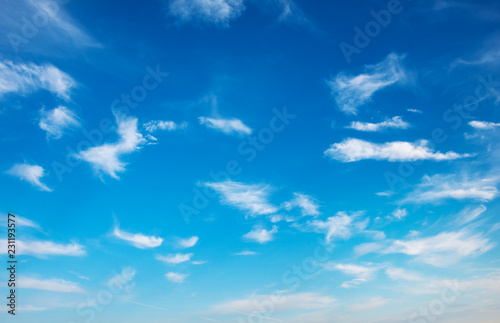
pixel 55 121
pixel 350 92
pixel 227 126
pixel 442 187
pixel 303 301
pixel 176 277
pixel 443 249
pixel 341 226
pixel 366 248
pixel 188 243
pixel 138 240
pixel 261 235
pixel 157 125
pixel 369 304
pixel 22 222
pixel 30 173
pixel 27 78
pixel 217 12
pixel 415 111
pixel 252 198
pixel 361 273
pixel 351 150
pixel 122 280
pixel 107 157
pixel 175 259
pixel 469 214
pixel 403 274
pixel 484 125
pixel 245 253
pixel 398 214
pixel 306 203
pixel 41 248
pixel 393 123
pixel 52 285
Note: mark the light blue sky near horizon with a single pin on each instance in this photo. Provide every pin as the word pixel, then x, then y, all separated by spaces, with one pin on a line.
pixel 387 161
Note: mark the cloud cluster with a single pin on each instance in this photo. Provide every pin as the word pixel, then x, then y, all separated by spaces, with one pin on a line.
pixel 216 12
pixel 227 126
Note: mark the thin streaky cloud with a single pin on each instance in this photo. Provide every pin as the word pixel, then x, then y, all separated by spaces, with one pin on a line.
pixel 51 285
pixel 162 125
pixel 307 204
pixel 137 240
pixel 45 248
pixel 175 258
pixel 393 123
pixel 211 12
pixel 484 125
pixel 57 120
pixel 261 235
pixel 177 278
pixel 189 242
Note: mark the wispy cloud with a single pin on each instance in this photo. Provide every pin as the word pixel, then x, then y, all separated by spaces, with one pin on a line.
pixel 25 78
pixel 245 253
pixel 393 123
pixel 398 214
pixel 361 273
pixel 216 12
pixel 439 187
pixel 281 302
pixel 30 173
pixel 107 157
pixel 305 203
pixel 252 198
pixel 227 126
pixel 188 243
pixel 403 274
pixel 175 259
pixel 159 125
pixel 443 249
pixel 137 240
pixel 176 277
pixel 350 91
pixel 469 214
pixel 415 111
pixel 369 304
pixel 42 248
pixel 261 235
pixel 122 280
pixel 351 150
pixel 484 125
pixel 51 285
pixel 340 226
pixel 57 120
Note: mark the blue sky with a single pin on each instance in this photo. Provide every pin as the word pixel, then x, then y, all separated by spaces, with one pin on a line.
pixel 251 161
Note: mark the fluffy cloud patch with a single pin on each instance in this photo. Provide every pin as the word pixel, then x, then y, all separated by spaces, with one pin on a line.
pixel 107 157
pixel 437 188
pixel 57 120
pixel 484 125
pixel 252 198
pixel 351 150
pixel 27 78
pixel 138 240
pixel 188 243
pixel 176 277
pixel 352 91
pixel 175 259
pixel 29 173
pixel 361 273
pixel 393 123
pixel 216 12
pixel 261 235
pixel 160 125
pixel 227 126
pixel 305 203
pixel 340 226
